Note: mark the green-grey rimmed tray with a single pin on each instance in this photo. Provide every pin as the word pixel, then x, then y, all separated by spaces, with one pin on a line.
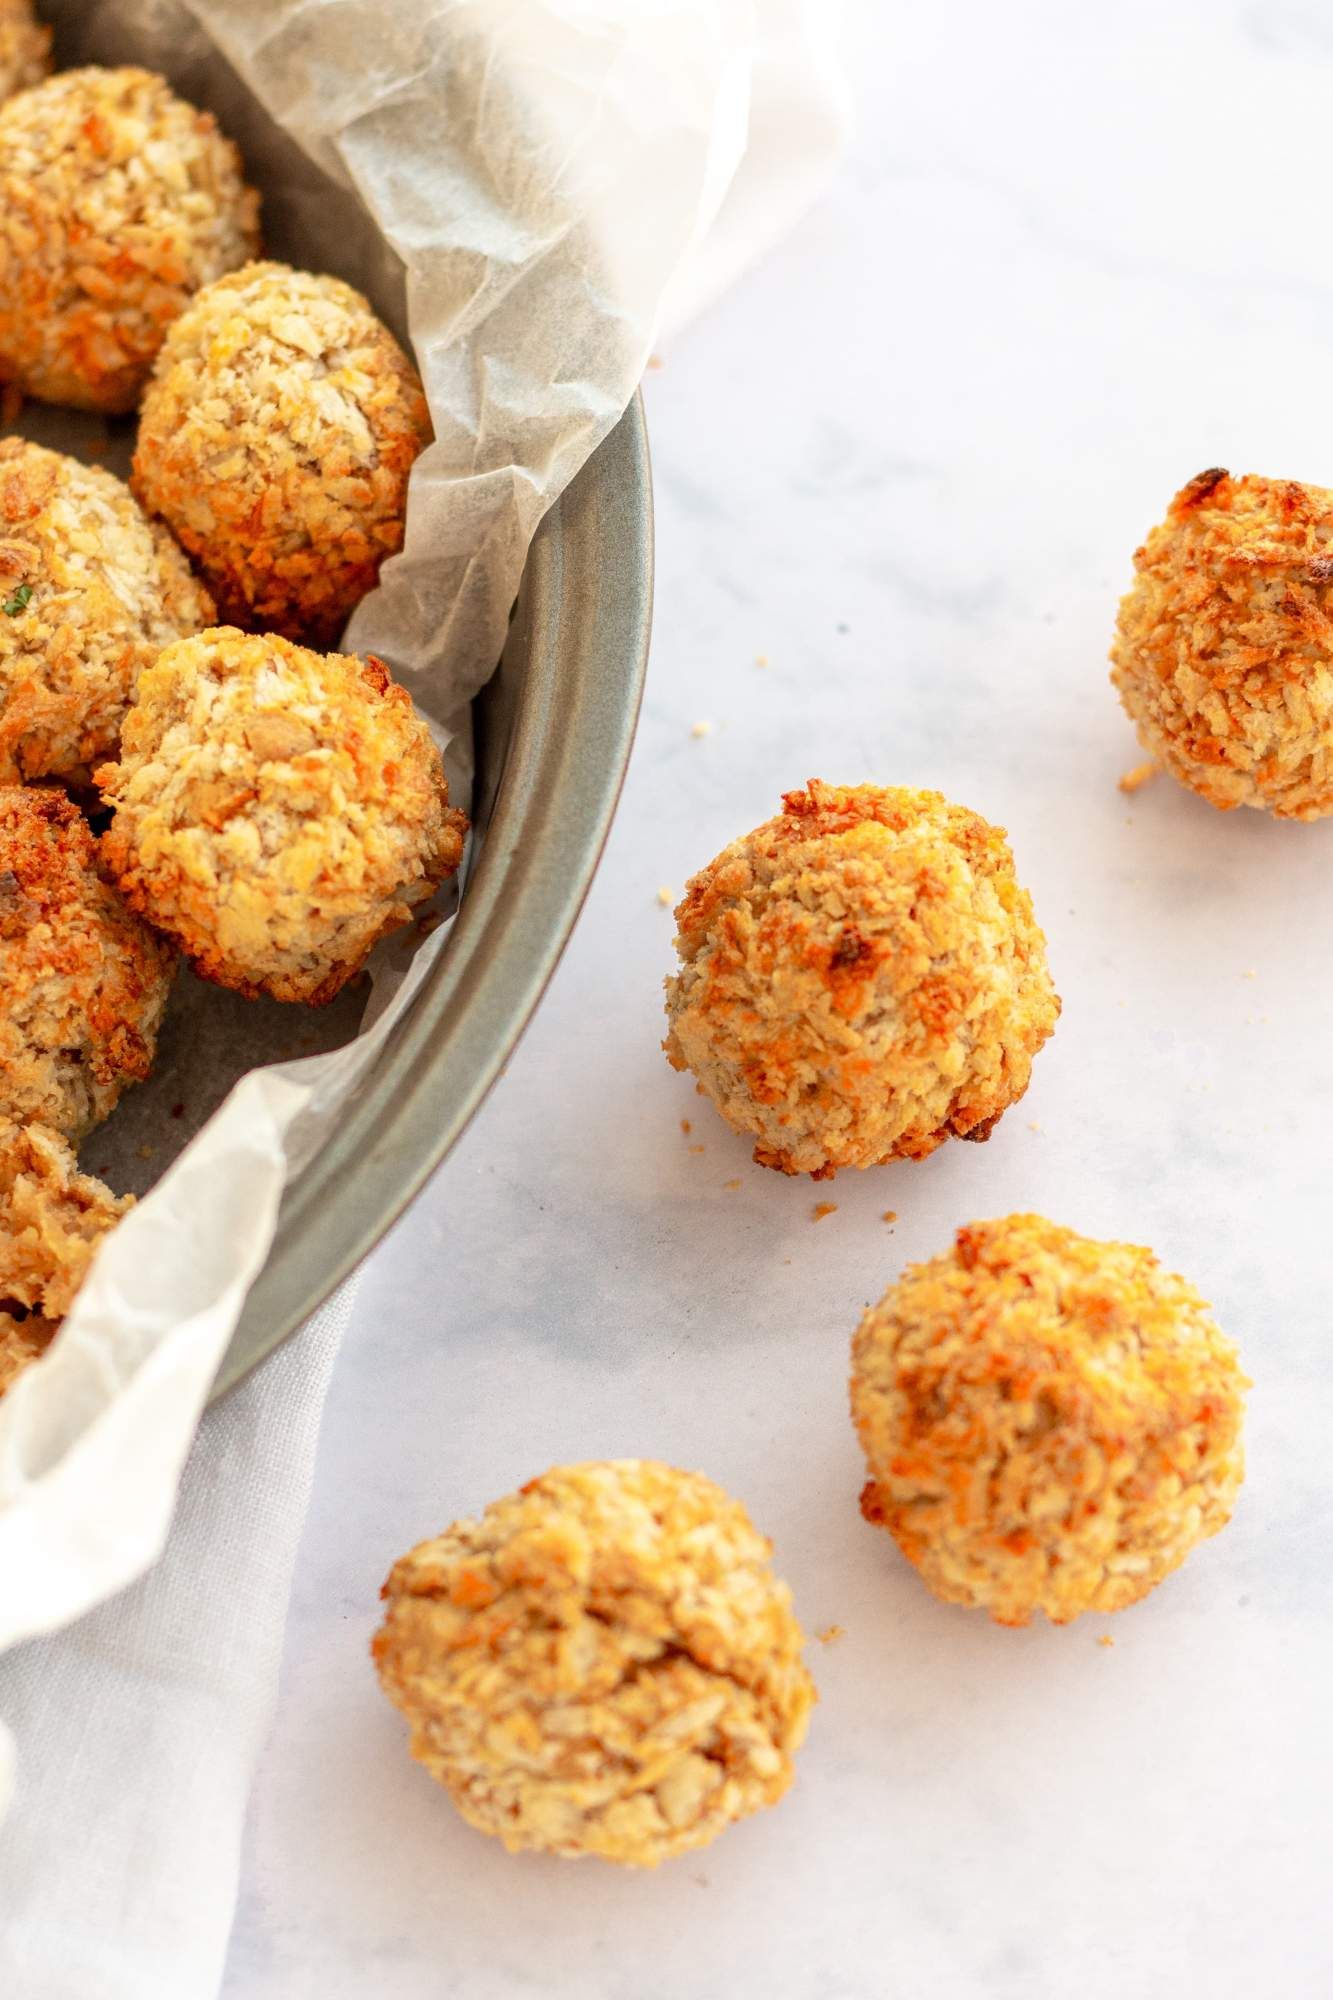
pixel 553 733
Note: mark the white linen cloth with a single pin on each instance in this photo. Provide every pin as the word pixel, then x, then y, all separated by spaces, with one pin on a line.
pixel 137 1728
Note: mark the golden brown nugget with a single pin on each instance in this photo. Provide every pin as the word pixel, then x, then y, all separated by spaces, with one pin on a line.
pixel 861 978
pixel 25 47
pixel 83 982
pixel 1050 1423
pixel 278 432
pixel 117 202
pixel 91 591
pixel 603 1663
pixel 1223 653
pixel 52 1219
pixel 278 811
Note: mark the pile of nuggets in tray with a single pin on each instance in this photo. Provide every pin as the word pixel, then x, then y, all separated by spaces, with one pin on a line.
pixel 185 772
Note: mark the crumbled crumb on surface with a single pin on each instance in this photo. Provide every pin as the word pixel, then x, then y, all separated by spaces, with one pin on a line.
pixel 1251 974
pixel 685 1125
pixel 730 1185
pixel 831 1635
pixel 655 362
pixel 666 897
pixel 1141 775
pixel 761 659
pixel 1033 1126
pixel 696 1149
pixel 889 1215
pixel 702 729
pixel 823 1208
pixel 1106 1640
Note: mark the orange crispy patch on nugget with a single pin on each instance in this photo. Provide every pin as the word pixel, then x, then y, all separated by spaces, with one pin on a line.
pixel 277 811
pixel 91 591
pixel 277 436
pixel 1223 653
pixel 84 981
pixel 117 202
pixel 1050 1423
pixel 861 978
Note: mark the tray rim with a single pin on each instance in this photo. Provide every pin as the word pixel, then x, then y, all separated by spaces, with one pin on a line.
pixel 584 619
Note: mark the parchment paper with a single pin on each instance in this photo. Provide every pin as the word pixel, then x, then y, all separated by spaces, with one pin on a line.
pixel 515 186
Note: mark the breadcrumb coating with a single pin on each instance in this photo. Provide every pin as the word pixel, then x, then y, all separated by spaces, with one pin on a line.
pixel 862 978
pixel 91 591
pixel 52 1219
pixel 278 432
pixel 278 811
pixel 604 1663
pixel 117 202
pixel 1223 654
pixel 22 1341
pixel 83 982
pixel 25 47
pixel 1050 1423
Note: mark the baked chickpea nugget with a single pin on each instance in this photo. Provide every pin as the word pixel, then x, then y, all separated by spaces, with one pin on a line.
pixel 1223 654
pixel 278 432
pixel 861 978
pixel 52 1219
pixel 91 591
pixel 25 47
pixel 277 811
pixel 603 1663
pixel 83 982
pixel 117 202
pixel 1050 1423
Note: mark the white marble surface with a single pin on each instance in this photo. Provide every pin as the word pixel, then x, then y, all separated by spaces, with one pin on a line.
pixel 1077 256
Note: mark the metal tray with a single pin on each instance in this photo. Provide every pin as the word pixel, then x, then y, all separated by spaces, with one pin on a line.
pixel 553 731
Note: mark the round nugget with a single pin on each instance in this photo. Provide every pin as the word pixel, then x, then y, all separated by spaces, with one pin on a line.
pixel 1223 654
pixel 52 1219
pixel 25 47
pixel 117 202
pixel 604 1663
pixel 278 432
pixel 83 983
pixel 861 979
pixel 277 811
pixel 91 590
pixel 1050 1424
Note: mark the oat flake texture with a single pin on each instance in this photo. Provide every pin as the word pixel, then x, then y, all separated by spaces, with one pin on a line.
pixel 861 979
pixel 52 1219
pixel 1223 653
pixel 94 590
pixel 84 980
pixel 277 811
pixel 117 202
pixel 277 436
pixel 1050 1423
pixel 603 1663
